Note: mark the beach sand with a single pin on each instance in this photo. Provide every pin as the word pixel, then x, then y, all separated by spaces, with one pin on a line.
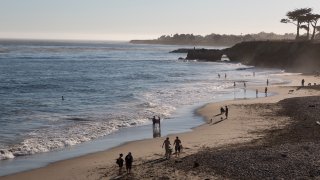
pixel 248 120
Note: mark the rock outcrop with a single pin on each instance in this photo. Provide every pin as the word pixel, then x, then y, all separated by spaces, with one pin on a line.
pixel 302 56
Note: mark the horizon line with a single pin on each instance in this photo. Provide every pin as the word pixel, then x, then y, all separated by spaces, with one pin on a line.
pixel 114 38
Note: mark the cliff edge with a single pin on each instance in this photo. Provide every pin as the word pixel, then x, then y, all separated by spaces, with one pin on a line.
pixel 299 56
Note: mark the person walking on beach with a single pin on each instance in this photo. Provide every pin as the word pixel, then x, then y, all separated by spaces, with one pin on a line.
pixel 129 160
pixel 234 84
pixel 244 84
pixel 227 111
pixel 225 75
pixel 120 163
pixel 267 82
pixel 219 76
pixel 177 146
pixel 256 93
pixel 221 110
pixel 166 144
pixel 302 82
pixel 266 91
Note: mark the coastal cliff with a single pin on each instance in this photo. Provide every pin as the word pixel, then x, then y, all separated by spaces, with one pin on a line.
pixel 303 56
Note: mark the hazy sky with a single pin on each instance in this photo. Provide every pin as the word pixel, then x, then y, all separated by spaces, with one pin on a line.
pixel 141 19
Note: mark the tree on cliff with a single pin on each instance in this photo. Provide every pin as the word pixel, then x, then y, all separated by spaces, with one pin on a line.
pixel 314 21
pixel 311 20
pixel 297 17
pixel 317 35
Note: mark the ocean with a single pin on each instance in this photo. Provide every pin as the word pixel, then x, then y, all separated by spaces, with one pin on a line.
pixel 59 94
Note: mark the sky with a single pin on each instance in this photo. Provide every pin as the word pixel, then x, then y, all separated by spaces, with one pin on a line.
pixel 143 19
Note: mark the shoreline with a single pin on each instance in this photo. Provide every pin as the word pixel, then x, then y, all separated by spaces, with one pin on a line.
pixel 88 166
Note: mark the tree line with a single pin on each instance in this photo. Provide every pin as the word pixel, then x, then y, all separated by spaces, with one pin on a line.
pixel 220 39
pixel 303 18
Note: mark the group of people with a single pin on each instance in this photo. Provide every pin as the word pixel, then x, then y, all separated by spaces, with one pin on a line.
pixel 225 76
pixel 225 111
pixel 128 159
pixel 168 150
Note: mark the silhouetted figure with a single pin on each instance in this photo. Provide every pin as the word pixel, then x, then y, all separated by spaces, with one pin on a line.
pixel 219 76
pixel 221 110
pixel 266 91
pixel 156 120
pixel 166 144
pixel 120 163
pixel 244 84
pixel 256 93
pixel 267 82
pixel 156 126
pixel 129 160
pixel 227 111
pixel 62 98
pixel 234 84
pixel 177 146
pixel 302 82
pixel 225 75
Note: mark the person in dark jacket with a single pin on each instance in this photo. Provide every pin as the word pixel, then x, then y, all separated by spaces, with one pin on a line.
pixel 120 163
pixel 129 160
pixel 226 112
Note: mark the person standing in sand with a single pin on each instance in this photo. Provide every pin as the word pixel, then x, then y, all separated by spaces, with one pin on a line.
pixel 129 160
pixel 227 111
pixel 120 163
pixel 267 82
pixel 221 110
pixel 257 93
pixel 266 91
pixel 177 146
pixel 166 144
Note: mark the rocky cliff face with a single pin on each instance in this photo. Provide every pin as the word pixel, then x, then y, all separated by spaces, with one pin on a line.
pixel 290 55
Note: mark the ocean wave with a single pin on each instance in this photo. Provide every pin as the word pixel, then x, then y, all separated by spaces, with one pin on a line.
pixel 6 154
pixel 66 131
pixel 50 139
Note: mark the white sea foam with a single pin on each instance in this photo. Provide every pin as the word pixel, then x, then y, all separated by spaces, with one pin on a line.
pixel 5 154
pixel 45 140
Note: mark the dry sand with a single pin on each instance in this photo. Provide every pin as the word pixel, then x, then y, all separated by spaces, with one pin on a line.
pixel 241 126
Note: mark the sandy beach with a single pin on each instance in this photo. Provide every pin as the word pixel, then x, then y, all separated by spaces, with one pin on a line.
pixel 248 122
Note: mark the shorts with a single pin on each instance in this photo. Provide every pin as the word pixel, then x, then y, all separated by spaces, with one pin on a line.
pixel 177 148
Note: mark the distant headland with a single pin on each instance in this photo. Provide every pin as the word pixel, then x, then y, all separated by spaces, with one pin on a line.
pixel 213 39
